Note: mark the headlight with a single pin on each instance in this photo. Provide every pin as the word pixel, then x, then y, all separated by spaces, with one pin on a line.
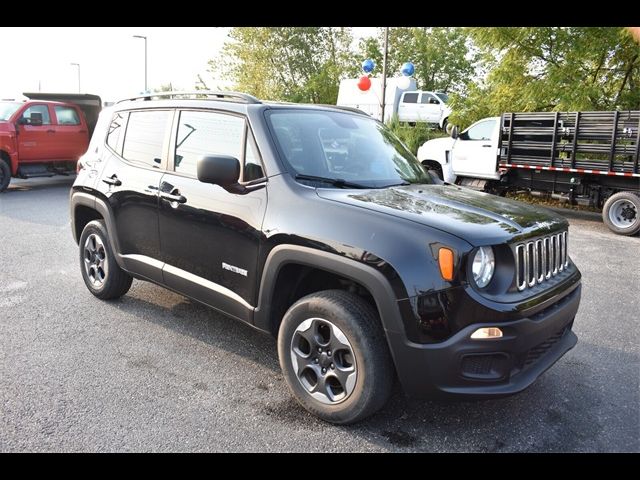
pixel 484 264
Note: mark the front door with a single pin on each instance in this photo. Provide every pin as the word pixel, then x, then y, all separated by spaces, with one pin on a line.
pixel 474 153
pixel 130 181
pixel 209 237
pixel 36 137
pixel 429 108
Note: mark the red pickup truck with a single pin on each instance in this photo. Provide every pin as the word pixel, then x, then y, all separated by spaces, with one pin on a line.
pixel 41 137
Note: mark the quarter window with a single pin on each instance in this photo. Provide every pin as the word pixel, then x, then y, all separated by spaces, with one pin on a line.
pixel 144 138
pixel 67 115
pixel 114 135
pixel 252 166
pixel 39 111
pixel 206 133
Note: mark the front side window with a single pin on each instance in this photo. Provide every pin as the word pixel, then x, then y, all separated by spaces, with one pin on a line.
pixel 37 112
pixel 429 99
pixel 480 131
pixel 66 115
pixel 145 136
pixel 206 133
pixel 341 146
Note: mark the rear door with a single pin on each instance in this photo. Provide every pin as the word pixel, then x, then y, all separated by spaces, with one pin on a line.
pixel 36 142
pixel 72 136
pixel 138 141
pixel 408 107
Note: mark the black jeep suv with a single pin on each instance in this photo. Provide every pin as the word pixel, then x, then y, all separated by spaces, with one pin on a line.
pixel 317 225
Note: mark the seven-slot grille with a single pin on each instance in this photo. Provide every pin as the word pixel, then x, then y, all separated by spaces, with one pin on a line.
pixel 541 259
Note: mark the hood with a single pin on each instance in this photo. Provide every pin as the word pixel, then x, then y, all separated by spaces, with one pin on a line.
pixel 7 127
pixel 479 218
pixel 434 149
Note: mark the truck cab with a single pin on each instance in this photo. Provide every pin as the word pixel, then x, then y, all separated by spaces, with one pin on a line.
pixel 422 106
pixel 41 138
pixel 471 153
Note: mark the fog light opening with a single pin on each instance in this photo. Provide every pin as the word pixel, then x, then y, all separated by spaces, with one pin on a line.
pixel 486 333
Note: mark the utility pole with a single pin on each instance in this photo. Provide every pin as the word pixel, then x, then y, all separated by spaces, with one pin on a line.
pixel 145 60
pixel 78 65
pixel 384 70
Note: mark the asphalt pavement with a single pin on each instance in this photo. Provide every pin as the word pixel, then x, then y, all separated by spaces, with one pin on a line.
pixel 155 371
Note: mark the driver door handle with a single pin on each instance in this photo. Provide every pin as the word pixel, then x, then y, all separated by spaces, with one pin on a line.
pixel 174 196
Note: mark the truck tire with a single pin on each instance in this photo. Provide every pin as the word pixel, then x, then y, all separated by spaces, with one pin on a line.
pixel 334 356
pixel 5 175
pixel 445 124
pixel 621 213
pixel 101 273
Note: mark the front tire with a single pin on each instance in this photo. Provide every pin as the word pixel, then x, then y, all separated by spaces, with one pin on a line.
pixel 621 213
pixel 101 273
pixel 334 356
pixel 5 175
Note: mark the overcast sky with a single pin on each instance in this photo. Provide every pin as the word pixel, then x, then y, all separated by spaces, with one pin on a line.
pixel 111 60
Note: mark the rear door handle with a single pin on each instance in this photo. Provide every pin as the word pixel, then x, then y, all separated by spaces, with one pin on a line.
pixel 51 131
pixel 112 180
pixel 486 146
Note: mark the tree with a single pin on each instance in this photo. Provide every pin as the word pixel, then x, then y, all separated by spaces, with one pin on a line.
pixel 551 68
pixel 298 64
pixel 442 56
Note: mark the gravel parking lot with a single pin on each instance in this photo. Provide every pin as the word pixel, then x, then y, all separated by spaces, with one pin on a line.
pixel 157 372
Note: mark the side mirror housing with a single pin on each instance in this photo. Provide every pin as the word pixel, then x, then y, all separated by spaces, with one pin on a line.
pixel 454 132
pixel 223 170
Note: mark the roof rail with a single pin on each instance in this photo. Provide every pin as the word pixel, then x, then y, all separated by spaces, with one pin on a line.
pixel 238 96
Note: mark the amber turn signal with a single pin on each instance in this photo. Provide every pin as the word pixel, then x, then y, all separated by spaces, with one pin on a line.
pixel 445 260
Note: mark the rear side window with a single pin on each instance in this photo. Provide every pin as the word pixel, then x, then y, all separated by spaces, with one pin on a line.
pixel 38 111
pixel 410 98
pixel 67 115
pixel 206 133
pixel 145 137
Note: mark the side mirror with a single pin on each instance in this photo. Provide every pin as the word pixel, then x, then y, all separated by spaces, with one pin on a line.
pixel 36 119
pixel 454 132
pixel 223 170
pixel 24 121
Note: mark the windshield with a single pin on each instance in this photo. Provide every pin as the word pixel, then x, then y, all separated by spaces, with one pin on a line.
pixel 443 96
pixel 344 149
pixel 7 109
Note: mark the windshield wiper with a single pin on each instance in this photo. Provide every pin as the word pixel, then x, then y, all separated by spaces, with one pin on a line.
pixel 336 182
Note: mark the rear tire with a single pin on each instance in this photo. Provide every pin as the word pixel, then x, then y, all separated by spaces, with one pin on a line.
pixel 101 273
pixel 5 175
pixel 334 356
pixel 621 213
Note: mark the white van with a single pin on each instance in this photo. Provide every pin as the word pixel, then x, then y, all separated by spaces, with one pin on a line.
pixel 427 107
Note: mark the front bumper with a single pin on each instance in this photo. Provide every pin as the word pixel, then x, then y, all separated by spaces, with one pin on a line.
pixel 460 366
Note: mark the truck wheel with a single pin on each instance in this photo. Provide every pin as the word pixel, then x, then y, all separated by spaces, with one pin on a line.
pixel 334 356
pixel 101 273
pixel 621 213
pixel 5 175
pixel 445 124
